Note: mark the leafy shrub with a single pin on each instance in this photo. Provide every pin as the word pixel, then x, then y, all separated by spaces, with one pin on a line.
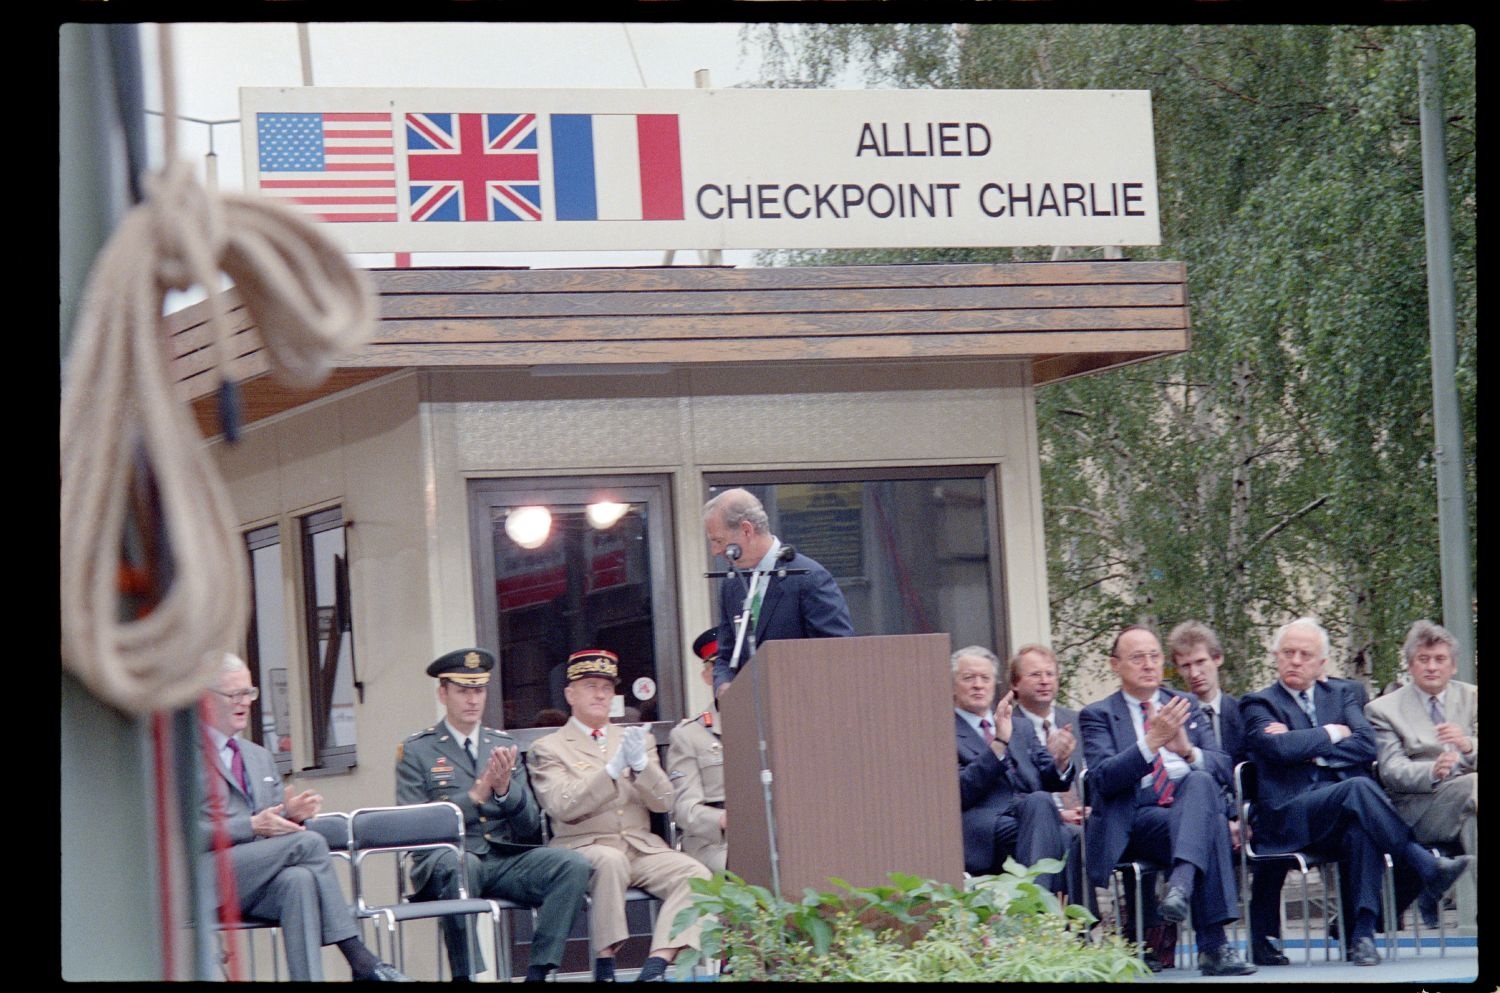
pixel 1002 927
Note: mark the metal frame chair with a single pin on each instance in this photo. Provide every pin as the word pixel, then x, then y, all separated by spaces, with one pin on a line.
pixel 334 827
pixel 405 829
pixel 1328 868
pixel 1136 870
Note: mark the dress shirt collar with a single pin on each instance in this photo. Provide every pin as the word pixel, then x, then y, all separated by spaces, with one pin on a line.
pixel 1217 703
pixel 974 719
pixel 585 730
pixel 460 737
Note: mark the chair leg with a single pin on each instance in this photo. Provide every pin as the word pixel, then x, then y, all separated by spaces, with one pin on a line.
pixel 1388 897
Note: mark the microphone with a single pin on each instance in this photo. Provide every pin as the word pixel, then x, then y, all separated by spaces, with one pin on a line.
pixel 732 552
pixel 787 554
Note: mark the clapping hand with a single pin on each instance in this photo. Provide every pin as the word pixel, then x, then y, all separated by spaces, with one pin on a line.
pixel 633 747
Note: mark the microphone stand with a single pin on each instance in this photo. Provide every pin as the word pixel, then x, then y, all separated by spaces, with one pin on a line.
pixel 741 638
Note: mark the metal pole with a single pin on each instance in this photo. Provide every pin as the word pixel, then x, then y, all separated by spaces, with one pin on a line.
pixel 712 256
pixel 304 50
pixel 1448 453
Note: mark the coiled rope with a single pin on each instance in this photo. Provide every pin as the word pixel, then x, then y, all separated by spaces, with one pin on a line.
pixel 120 409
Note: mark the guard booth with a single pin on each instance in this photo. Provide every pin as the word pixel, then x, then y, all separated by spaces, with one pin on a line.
pixel 885 414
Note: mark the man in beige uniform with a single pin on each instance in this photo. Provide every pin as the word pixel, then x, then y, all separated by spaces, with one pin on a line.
pixel 695 763
pixel 600 783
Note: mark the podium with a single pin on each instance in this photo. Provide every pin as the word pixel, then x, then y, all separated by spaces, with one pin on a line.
pixel 860 746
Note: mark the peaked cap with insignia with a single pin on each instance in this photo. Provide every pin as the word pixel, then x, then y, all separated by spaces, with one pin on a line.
pixel 466 666
pixel 594 662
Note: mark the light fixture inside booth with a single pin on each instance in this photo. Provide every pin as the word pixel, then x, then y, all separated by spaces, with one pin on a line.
pixel 605 514
pixel 528 526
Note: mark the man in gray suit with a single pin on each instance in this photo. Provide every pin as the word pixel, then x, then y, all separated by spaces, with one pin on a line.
pixel 282 871
pixel 479 770
pixel 1427 747
pixel 1033 679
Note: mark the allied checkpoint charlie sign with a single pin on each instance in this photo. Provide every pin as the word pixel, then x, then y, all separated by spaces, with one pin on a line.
pixel 558 170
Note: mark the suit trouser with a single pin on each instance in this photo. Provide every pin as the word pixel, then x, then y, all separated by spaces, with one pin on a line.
pixel 1355 821
pixel 553 880
pixel 1030 831
pixel 664 873
pixel 290 879
pixel 1449 813
pixel 1194 830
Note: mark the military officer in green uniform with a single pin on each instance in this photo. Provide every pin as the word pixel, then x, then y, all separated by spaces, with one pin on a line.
pixel 695 763
pixel 479 770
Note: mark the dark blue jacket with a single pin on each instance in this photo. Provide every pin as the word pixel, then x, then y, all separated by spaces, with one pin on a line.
pixel 807 605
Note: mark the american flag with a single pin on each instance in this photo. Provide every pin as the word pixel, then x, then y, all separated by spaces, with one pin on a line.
pixel 473 167
pixel 339 166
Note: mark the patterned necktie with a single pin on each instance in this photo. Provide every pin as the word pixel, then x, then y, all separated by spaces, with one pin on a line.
pixel 1435 709
pixel 985 729
pixel 1161 784
pixel 1307 706
pixel 237 766
pixel 1046 729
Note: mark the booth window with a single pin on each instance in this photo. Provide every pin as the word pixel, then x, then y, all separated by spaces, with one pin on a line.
pixel 266 643
pixel 332 678
pixel 567 563
pixel 915 550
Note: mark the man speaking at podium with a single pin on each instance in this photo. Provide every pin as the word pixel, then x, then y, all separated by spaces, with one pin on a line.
pixel 804 603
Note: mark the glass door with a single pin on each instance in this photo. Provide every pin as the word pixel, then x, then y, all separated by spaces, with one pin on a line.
pixel 567 563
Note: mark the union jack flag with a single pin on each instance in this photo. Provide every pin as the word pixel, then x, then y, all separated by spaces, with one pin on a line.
pixel 473 167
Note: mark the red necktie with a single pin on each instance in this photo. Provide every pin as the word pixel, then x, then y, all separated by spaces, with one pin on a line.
pixel 237 767
pixel 1161 784
pixel 984 729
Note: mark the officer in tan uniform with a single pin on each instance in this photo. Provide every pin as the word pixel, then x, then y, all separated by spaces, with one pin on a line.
pixel 479 769
pixel 599 783
pixel 695 764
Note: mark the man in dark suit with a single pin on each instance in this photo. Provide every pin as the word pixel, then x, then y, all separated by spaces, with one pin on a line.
pixel 1033 680
pixel 282 871
pixel 1155 784
pixel 1003 774
pixel 1313 747
pixel 1198 657
pixel 479 770
pixel 805 603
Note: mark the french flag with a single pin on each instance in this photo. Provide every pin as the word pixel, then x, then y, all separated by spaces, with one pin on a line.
pixel 617 167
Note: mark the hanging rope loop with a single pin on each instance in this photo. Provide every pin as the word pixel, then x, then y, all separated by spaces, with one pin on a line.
pixel 123 423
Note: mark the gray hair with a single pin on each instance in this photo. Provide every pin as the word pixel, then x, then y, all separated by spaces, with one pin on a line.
pixel 975 652
pixel 1303 622
pixel 232 663
pixel 737 505
pixel 1425 634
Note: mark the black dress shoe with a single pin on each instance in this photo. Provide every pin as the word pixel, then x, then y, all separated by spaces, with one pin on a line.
pixel 1223 961
pixel 384 972
pixel 1448 871
pixel 1364 952
pixel 1174 906
pixel 1262 952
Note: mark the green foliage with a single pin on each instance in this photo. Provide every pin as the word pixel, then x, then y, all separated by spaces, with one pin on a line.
pixel 1283 466
pixel 1004 927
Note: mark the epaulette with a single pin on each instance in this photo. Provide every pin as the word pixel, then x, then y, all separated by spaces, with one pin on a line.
pixel 417 734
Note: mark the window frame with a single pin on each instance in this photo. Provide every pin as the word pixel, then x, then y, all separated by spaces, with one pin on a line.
pixel 717 480
pixel 325 758
pixel 654 492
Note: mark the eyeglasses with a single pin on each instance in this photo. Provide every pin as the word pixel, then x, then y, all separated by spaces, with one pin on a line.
pixel 1141 658
pixel 250 695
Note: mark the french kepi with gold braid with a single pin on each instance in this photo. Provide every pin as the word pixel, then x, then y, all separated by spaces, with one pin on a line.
pixel 594 662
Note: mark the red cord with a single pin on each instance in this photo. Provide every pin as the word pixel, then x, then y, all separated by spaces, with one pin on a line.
pixel 163 844
pixel 229 904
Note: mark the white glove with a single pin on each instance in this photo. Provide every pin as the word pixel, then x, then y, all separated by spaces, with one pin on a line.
pixel 616 763
pixel 633 747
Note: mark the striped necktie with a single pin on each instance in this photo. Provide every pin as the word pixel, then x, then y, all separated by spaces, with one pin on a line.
pixel 1161 784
